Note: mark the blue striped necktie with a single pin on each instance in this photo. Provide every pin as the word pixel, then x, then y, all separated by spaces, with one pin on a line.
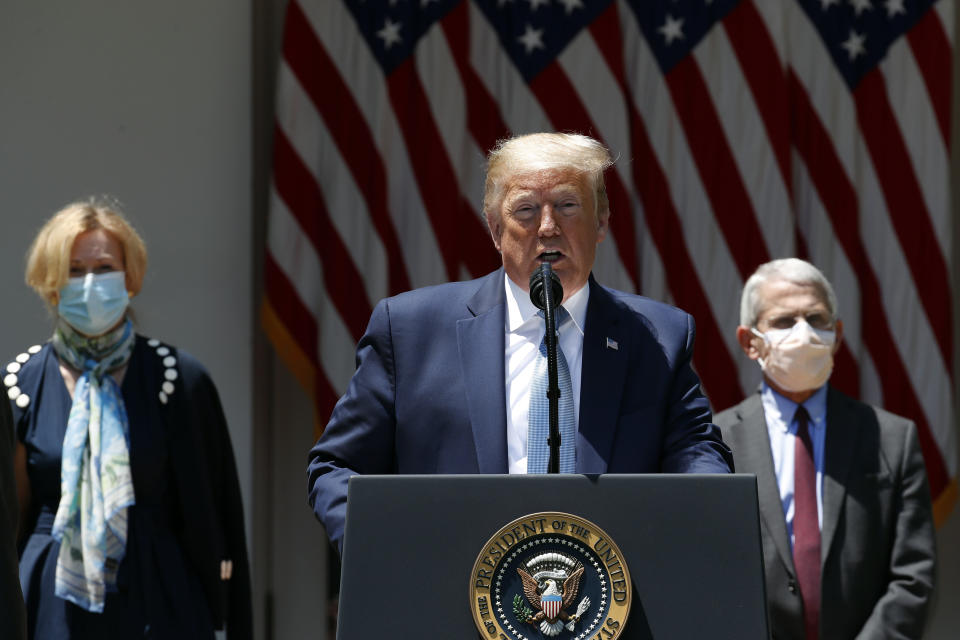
pixel 538 451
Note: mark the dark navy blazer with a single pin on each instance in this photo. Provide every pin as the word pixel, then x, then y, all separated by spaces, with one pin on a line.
pixel 428 395
pixel 185 463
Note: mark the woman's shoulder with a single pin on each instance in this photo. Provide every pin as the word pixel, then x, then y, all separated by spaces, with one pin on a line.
pixel 178 369
pixel 169 355
pixel 23 374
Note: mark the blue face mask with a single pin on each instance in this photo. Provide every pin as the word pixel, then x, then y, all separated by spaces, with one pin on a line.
pixel 95 303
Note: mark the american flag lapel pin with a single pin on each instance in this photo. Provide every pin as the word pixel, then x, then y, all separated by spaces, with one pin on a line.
pixel 612 344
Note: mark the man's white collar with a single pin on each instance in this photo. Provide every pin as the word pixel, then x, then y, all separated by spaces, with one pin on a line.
pixel 520 309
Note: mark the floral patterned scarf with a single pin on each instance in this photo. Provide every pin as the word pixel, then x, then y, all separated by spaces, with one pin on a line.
pixel 96 485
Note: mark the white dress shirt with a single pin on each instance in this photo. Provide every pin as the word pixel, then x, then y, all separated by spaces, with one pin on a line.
pixel 524 332
pixel 782 428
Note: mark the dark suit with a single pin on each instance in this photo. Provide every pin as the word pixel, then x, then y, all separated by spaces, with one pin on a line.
pixel 877 535
pixel 13 617
pixel 428 395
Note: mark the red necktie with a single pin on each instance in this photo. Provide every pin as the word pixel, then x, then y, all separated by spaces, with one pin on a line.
pixel 806 528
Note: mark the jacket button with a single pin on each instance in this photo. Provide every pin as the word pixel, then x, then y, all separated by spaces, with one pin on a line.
pixel 792 586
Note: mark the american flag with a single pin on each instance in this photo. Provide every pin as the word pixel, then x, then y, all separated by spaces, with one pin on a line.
pixel 744 129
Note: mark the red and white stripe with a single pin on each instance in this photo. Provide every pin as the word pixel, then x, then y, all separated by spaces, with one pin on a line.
pixel 551 608
pixel 894 237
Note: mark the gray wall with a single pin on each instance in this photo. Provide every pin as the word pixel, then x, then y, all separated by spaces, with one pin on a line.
pixel 149 102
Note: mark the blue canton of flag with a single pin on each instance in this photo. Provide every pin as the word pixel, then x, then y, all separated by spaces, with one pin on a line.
pixel 534 32
pixel 673 28
pixel 393 27
pixel 858 33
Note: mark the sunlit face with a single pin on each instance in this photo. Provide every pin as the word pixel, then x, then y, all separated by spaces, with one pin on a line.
pixel 549 216
pixel 95 251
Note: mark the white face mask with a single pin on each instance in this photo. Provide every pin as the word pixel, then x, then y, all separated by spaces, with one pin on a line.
pixel 799 358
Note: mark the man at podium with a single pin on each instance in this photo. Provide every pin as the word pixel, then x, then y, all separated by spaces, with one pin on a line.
pixel 452 378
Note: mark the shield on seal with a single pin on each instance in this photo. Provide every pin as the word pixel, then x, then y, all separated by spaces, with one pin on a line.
pixel 551 605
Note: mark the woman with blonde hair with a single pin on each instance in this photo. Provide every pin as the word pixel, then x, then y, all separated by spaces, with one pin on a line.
pixel 130 509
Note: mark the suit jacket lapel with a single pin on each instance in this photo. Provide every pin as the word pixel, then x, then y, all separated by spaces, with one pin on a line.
pixel 840 448
pixel 601 381
pixel 480 340
pixel 754 450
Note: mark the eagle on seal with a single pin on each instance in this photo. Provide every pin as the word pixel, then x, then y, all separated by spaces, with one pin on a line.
pixel 551 618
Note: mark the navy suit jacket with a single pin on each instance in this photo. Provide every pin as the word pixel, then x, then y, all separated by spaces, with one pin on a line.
pixel 428 395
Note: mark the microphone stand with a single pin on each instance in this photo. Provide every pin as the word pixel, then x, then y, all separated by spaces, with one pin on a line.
pixel 553 387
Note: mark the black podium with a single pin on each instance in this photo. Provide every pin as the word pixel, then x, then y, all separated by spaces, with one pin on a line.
pixel 691 543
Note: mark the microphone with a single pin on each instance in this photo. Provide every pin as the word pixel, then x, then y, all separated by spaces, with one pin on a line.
pixel 541 295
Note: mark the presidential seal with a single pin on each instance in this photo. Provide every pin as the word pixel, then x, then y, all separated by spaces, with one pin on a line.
pixel 550 575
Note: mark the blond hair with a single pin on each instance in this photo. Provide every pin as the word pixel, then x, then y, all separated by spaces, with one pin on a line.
pixel 537 152
pixel 48 260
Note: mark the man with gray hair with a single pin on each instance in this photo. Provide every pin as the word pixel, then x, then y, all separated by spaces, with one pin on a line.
pixel 846 518
pixel 445 375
